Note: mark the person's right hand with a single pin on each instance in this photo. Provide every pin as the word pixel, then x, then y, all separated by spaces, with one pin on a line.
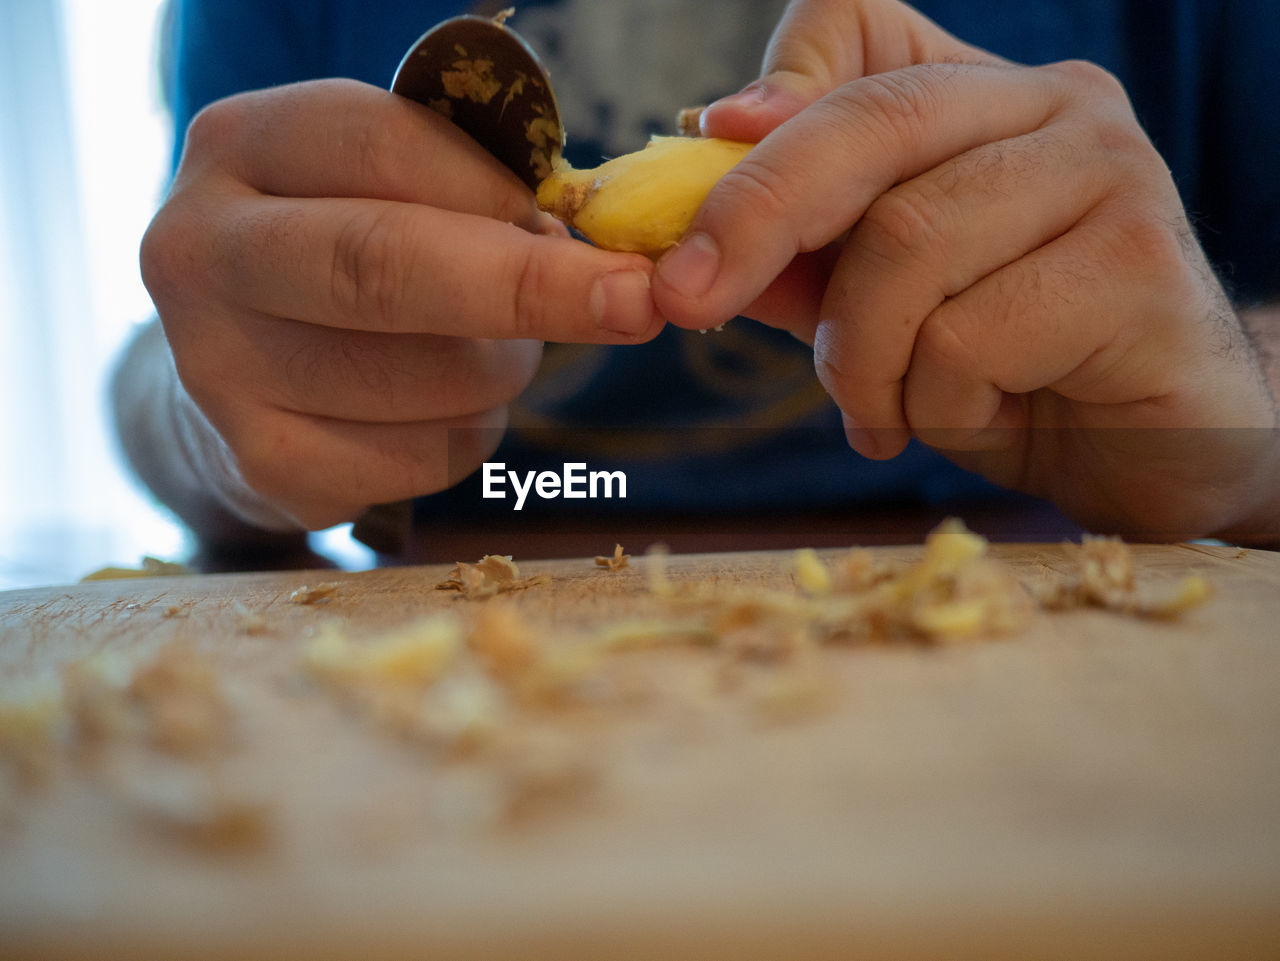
pixel 344 277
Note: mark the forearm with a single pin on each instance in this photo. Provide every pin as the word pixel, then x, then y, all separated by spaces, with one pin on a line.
pixel 177 454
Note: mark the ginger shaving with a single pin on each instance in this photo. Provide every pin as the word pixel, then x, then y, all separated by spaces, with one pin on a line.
pixel 492 574
pixel 615 562
pixel 310 595
pixel 1105 578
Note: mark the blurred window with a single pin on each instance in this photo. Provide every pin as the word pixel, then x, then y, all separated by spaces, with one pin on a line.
pixel 84 145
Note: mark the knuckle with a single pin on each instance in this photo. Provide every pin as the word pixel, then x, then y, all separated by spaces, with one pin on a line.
pixel 214 128
pixel 1088 76
pixel 368 148
pixel 385 155
pixel 372 268
pixel 757 192
pixel 755 184
pixel 188 241
pixel 1148 243
pixel 162 255
pixel 945 336
pixel 1052 291
pixel 906 102
pixel 531 284
pixel 1119 135
pixel 995 169
pixel 903 224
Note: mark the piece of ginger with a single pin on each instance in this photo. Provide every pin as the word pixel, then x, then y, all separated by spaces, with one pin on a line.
pixel 642 201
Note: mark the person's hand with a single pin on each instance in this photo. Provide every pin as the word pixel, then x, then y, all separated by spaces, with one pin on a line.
pixel 990 257
pixel 344 277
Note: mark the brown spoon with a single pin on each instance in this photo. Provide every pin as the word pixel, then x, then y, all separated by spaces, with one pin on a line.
pixel 484 77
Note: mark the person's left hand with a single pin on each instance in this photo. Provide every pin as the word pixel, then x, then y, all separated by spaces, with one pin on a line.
pixel 992 258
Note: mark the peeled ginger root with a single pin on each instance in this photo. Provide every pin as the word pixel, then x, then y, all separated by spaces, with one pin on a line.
pixel 642 201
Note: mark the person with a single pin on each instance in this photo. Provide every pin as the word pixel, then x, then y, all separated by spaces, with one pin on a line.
pixel 982 247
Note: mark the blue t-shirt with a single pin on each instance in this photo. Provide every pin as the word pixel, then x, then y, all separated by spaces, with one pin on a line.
pixel 736 420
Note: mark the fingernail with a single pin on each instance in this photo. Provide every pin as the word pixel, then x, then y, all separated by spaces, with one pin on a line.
pixel 691 267
pixel 752 95
pixel 620 302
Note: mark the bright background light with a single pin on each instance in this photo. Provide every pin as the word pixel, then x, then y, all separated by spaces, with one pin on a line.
pixel 84 156
pixel 83 162
pixel 122 142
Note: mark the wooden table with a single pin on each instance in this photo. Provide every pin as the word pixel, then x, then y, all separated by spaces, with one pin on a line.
pixel 1094 787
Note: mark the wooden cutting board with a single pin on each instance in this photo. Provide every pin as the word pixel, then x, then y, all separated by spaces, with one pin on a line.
pixel 1094 787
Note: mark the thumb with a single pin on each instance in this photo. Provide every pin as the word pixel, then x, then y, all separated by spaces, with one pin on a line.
pixel 819 45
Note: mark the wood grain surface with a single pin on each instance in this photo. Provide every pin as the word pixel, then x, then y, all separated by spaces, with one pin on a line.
pixel 1095 786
